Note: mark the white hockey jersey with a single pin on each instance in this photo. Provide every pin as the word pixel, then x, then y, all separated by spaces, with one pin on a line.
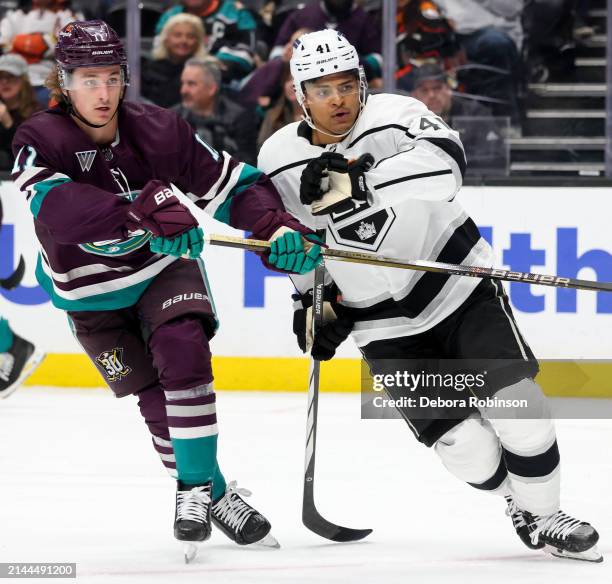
pixel 411 214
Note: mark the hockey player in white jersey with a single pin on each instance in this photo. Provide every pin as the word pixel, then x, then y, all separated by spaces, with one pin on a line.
pixel 380 174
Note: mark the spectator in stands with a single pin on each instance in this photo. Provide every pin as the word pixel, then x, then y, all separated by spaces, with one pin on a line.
pixel 348 18
pixel 181 38
pixel 219 121
pixel 230 29
pixel 285 110
pixel 31 33
pixel 423 35
pixel 491 33
pixel 481 134
pixel 550 29
pixel 266 83
pixel 17 103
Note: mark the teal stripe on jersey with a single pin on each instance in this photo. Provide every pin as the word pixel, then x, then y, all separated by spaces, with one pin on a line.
pixel 249 175
pixel 196 462
pixel 41 190
pixel 107 301
pixel 6 336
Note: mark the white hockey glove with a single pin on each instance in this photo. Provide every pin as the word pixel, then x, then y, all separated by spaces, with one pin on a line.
pixel 344 186
pixel 314 181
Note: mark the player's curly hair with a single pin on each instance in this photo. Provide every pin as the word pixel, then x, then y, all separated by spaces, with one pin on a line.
pixel 52 83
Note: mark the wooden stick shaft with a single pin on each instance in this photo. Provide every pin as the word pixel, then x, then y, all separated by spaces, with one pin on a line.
pixel 425 266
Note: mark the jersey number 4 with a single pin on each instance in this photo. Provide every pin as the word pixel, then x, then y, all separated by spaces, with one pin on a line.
pixel 436 123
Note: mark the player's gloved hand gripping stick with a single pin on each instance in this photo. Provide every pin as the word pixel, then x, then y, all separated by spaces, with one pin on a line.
pixel 292 252
pixel 158 210
pixel 333 331
pixel 176 232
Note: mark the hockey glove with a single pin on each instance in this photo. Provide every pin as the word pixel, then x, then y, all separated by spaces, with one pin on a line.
pixel 334 330
pixel 188 246
pixel 313 182
pixel 291 252
pixel 158 210
pixel 345 186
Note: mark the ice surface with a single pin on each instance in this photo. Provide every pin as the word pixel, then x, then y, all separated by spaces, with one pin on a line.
pixel 81 483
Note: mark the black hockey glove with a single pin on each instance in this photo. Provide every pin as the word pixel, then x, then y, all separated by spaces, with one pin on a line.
pixel 311 187
pixel 345 186
pixel 334 331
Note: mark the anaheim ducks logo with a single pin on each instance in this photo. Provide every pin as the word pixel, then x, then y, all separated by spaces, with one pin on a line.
pixel 118 247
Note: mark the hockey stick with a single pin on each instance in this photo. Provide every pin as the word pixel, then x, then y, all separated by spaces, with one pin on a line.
pixel 426 266
pixel 311 518
pixel 15 278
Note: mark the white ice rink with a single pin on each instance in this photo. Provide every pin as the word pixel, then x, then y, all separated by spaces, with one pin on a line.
pixel 81 483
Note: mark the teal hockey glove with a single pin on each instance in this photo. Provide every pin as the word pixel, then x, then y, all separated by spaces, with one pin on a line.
pixel 290 252
pixel 188 246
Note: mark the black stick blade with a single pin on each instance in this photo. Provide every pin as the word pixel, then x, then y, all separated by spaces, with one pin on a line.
pixel 317 524
pixel 313 520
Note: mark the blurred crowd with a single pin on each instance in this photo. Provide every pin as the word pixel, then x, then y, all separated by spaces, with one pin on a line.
pixel 223 65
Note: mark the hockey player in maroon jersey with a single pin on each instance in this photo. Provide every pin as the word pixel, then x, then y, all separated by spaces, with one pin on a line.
pixel 101 176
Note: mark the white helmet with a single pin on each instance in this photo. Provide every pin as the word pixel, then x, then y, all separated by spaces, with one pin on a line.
pixel 320 53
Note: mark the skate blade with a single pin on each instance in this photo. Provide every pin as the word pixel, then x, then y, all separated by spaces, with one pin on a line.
pixel 269 542
pixel 591 555
pixel 30 366
pixel 190 551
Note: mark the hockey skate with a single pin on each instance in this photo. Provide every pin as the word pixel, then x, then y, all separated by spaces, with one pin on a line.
pixel 523 529
pixel 192 516
pixel 239 521
pixel 564 536
pixel 17 364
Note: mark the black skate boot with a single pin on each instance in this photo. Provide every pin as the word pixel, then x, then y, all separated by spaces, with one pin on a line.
pixel 192 516
pixel 565 536
pixel 239 521
pixel 17 364
pixel 523 529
